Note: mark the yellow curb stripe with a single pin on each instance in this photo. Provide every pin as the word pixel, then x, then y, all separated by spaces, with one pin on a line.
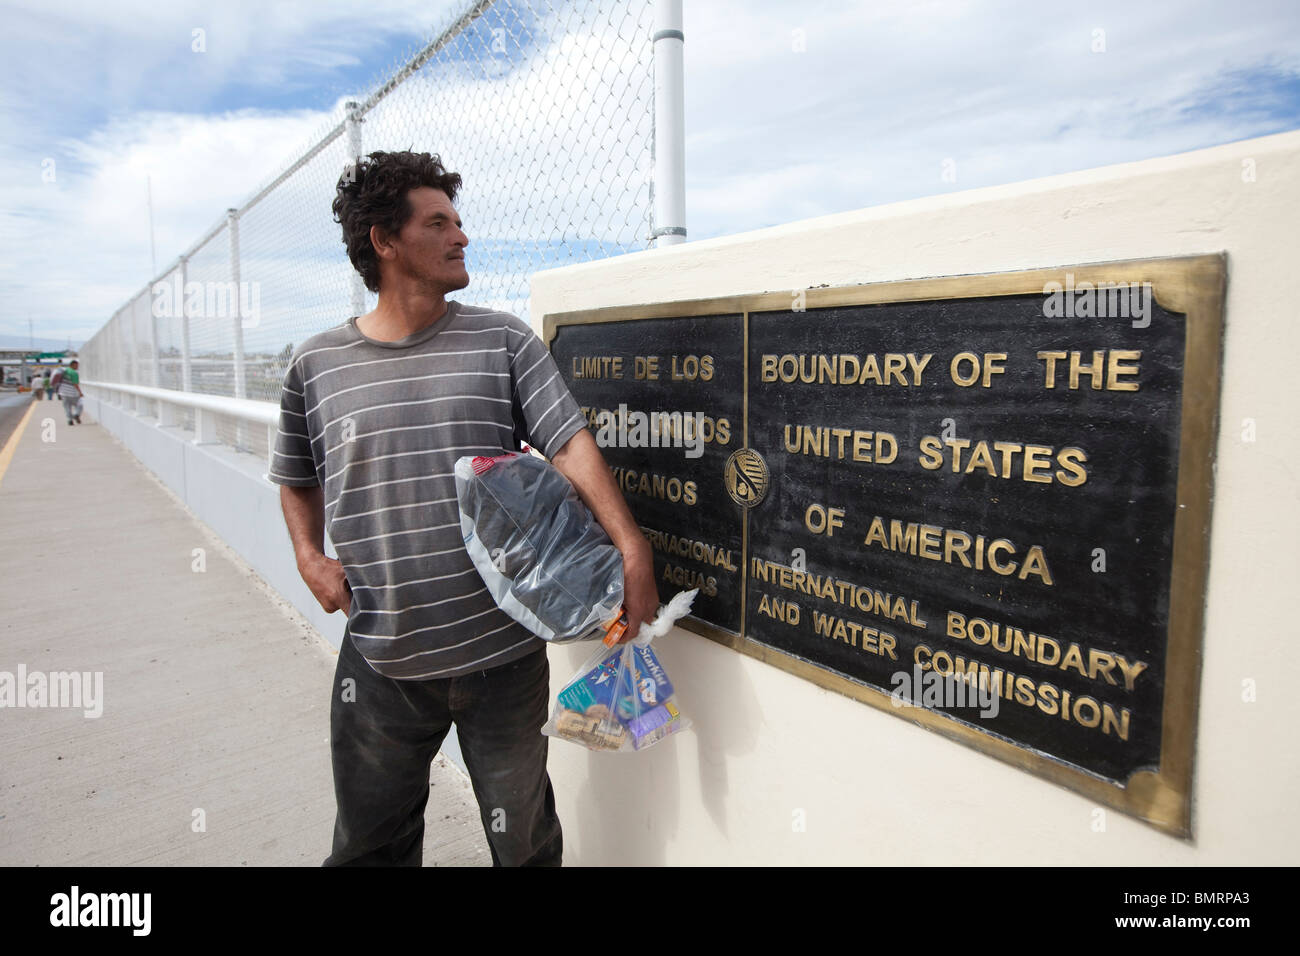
pixel 11 445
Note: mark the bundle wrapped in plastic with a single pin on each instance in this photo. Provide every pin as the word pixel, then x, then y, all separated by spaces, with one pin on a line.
pixel 545 560
pixel 621 698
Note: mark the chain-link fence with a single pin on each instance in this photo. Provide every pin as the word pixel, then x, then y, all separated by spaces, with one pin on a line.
pixel 545 109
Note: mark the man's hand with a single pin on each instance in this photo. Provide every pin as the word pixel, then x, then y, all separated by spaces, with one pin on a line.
pixel 640 594
pixel 324 576
pixel 304 516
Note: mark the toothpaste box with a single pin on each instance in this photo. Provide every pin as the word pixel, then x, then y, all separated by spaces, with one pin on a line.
pixel 654 725
pixel 637 691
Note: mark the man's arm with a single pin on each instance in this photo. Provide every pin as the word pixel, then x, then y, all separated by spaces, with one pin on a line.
pixel 304 515
pixel 582 463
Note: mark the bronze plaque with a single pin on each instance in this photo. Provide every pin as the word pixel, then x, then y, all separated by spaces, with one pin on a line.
pixel 980 502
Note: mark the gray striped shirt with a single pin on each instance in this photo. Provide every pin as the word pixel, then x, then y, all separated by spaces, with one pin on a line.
pixel 379 426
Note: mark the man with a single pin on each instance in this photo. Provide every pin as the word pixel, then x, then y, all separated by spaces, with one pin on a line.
pixel 374 415
pixel 70 392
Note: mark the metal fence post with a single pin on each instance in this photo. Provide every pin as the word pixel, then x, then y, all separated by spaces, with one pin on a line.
pixel 353 125
pixel 241 387
pixel 241 382
pixel 119 358
pixel 153 348
pixel 187 384
pixel 133 372
pixel 166 411
pixel 670 127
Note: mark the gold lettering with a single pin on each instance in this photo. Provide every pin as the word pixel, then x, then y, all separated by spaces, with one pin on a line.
pixel 883 456
pixel 895 365
pixel 1093 370
pixel 929 547
pixel 1100 662
pixel 918 367
pixel 1036 563
pixel 970 358
pixel 980 458
pixel 1071 459
pixel 956 543
pixel 931 453
pixel 1001 544
pixel 1130 671
pixel 1114 370
pixel 1051 358
pixel 1035 458
pixel 1073 659
pixel 1008 451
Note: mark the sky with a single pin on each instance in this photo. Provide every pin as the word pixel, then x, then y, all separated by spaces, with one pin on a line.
pixel 793 110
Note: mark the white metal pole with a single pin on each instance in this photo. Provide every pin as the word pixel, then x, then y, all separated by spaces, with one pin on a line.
pixel 670 126
pixel 165 411
pixel 241 383
pixel 353 124
pixel 186 379
pixel 119 360
pixel 153 348
pixel 232 221
pixel 134 374
pixel 123 319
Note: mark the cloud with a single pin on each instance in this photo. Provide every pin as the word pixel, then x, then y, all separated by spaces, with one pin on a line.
pixel 883 94
pixel 77 247
pixel 103 96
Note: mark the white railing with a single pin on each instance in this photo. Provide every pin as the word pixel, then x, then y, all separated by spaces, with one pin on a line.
pixel 206 409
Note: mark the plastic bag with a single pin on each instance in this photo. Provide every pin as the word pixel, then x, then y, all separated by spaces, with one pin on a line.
pixel 621 698
pixel 545 559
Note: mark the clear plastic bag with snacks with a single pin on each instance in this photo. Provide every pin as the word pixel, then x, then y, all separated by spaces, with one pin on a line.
pixel 622 699
pixel 545 559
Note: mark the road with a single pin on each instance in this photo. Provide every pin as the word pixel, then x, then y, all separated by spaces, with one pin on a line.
pixel 12 406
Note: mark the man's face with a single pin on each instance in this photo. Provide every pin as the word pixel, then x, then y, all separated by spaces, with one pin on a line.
pixel 431 246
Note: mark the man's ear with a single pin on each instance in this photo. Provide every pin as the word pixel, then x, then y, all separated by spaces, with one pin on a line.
pixel 383 246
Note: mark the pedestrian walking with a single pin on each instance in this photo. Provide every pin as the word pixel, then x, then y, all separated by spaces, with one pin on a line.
pixel 70 392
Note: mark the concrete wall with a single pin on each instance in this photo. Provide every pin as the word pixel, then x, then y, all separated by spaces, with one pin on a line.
pixel 873 788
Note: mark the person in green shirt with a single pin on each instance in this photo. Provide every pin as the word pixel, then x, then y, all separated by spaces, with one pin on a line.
pixel 70 392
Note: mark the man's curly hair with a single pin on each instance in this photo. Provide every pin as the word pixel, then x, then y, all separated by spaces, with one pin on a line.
pixel 373 193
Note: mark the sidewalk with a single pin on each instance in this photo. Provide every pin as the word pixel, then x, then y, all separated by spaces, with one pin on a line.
pixel 213 744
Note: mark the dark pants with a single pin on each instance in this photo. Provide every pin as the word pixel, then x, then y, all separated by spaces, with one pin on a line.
pixel 383 741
